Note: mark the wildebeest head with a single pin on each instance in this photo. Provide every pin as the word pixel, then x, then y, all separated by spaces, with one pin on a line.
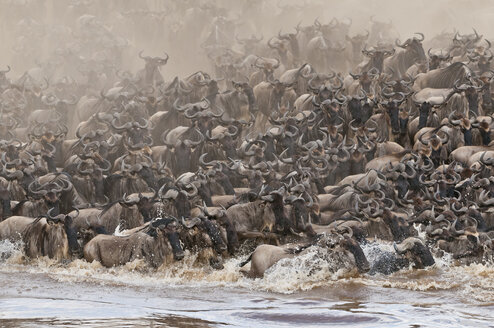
pixel 475 215
pixel 325 90
pixel 70 231
pixel 402 186
pixel 380 30
pixel 353 247
pixel 354 105
pixel 293 41
pixel 435 59
pixel 393 111
pixel 414 47
pixel 144 203
pixel 364 80
pixel 376 58
pixel 416 251
pixel 214 234
pixel 226 136
pixel 167 227
pixel 49 192
pixel 344 239
pixel 367 109
pixel 275 197
pixel 246 89
pixel 332 109
pixel 179 199
pixel 221 176
pixel 175 90
pixel 278 89
pixel 357 42
pixel 300 211
pixel 424 111
pixel 183 147
pixel 249 43
pixel 398 226
pixel 484 62
pixel 266 67
pixel 281 46
pixel 152 65
pixel 174 241
pixel 231 233
pixel 201 233
pixel 202 184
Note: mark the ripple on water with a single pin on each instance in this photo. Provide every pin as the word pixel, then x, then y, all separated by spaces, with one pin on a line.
pixel 361 300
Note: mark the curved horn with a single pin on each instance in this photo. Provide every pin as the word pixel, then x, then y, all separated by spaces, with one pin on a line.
pixel 421 35
pixel 6 71
pixel 142 57
pixel 403 45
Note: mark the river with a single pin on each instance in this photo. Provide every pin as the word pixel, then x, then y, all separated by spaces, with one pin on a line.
pixel 43 293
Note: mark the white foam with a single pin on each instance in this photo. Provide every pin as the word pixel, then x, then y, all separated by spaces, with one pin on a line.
pixel 313 268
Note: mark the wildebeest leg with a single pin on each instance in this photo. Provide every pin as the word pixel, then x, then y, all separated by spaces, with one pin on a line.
pixel 6 210
pixel 250 234
pixel 272 237
pixel 268 236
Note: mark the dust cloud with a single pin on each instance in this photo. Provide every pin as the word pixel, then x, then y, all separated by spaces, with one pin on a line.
pixel 48 33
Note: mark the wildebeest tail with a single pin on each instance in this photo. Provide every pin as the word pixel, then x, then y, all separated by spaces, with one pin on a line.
pixel 246 261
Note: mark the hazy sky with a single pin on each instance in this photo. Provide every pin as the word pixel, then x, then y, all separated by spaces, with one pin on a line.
pixel 427 16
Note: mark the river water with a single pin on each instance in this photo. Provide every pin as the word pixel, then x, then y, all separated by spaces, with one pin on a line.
pixel 293 293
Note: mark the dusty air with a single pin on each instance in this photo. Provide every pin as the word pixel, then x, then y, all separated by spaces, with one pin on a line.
pixel 246 163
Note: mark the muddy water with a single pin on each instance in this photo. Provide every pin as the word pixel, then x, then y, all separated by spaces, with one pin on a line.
pixel 299 292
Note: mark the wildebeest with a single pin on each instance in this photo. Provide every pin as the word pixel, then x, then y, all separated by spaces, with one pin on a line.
pixel 51 236
pixel 158 243
pixel 413 52
pixel 339 249
pixel 443 78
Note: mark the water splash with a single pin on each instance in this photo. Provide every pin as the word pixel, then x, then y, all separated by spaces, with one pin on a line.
pixel 11 252
pixel 312 269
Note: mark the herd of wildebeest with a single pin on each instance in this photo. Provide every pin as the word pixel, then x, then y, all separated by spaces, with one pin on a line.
pixel 308 138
